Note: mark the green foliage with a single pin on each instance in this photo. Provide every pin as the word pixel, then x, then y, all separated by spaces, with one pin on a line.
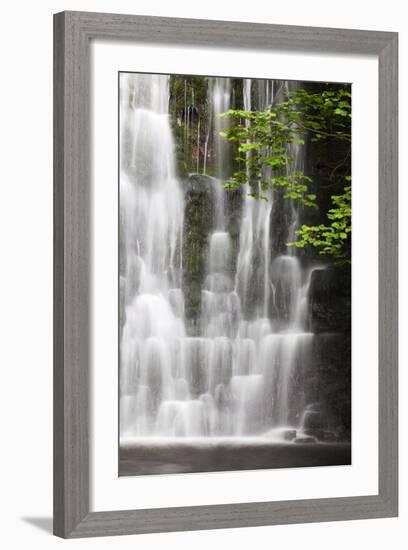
pixel 264 143
pixel 325 114
pixel 330 239
pixel 190 118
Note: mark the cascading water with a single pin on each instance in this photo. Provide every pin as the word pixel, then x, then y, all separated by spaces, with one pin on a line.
pixel 220 98
pixel 239 376
pixel 151 216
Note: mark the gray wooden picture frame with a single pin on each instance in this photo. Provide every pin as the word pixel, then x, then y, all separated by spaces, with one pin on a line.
pixel 72 202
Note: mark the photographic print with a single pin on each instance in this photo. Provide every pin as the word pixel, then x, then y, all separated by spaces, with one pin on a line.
pixel 234 274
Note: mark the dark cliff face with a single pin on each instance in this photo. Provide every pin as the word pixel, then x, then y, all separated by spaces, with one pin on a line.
pixel 330 320
pixel 330 299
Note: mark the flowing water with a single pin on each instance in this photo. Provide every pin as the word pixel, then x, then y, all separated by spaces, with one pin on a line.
pixel 243 374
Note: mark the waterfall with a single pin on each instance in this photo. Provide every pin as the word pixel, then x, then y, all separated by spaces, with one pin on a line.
pixel 255 225
pixel 220 89
pixel 237 376
pixel 151 214
pixel 220 98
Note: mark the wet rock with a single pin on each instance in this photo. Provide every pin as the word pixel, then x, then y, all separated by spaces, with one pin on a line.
pixel 314 432
pixel 330 299
pixel 326 436
pixel 314 420
pixel 305 439
pixel 288 434
pixel 199 184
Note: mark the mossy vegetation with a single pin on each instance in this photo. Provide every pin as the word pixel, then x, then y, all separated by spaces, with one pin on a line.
pixel 198 223
pixel 190 113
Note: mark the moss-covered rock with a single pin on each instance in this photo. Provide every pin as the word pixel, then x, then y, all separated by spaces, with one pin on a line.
pixel 198 223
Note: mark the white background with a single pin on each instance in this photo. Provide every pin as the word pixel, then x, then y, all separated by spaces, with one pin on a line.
pixel 26 272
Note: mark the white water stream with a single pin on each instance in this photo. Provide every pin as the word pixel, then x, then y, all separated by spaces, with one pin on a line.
pixel 242 375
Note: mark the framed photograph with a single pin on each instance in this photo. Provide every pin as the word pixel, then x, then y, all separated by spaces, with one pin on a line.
pixel 225 288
